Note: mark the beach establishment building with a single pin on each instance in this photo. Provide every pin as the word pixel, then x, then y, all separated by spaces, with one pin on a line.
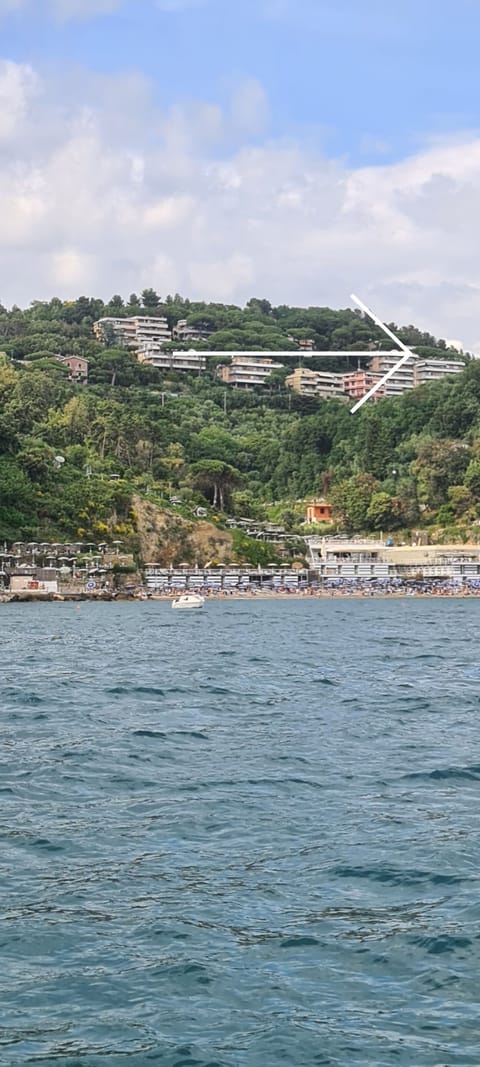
pixel 228 578
pixel 38 581
pixel 357 558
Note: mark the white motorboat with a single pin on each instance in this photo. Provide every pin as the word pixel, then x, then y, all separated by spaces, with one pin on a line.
pixel 188 600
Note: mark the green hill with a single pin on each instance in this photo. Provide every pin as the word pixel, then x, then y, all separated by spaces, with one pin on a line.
pixel 397 464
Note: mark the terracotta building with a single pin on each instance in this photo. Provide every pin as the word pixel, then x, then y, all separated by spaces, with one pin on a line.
pixel 77 366
pixel 319 511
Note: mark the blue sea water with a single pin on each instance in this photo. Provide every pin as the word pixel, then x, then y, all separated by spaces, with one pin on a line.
pixel 242 836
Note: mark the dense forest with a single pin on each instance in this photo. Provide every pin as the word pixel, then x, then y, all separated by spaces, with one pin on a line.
pixel 396 465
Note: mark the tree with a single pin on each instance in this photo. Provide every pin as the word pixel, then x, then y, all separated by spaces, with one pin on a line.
pixel 261 307
pixel 215 478
pixel 115 365
pixel 380 513
pixel 460 497
pixel 36 459
pixel 440 464
pixel 8 379
pixel 351 500
pixel 116 303
pixel 472 477
pixel 150 299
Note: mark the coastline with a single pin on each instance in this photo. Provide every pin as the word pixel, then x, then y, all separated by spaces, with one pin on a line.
pixel 317 594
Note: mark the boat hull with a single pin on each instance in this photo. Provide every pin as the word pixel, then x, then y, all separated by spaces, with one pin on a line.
pixel 187 602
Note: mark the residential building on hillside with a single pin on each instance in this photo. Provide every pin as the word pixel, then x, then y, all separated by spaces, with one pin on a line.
pixel 357 383
pixel 77 366
pixel 413 373
pixel 318 383
pixel 432 370
pixel 183 333
pixel 121 331
pixel 247 371
pixel 152 332
pixel 174 361
pixel 318 511
pixel 138 332
pixel 402 380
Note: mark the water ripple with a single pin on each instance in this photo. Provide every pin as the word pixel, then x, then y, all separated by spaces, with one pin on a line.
pixel 247 836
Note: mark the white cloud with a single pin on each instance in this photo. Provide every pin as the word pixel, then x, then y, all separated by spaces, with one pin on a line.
pixel 18 84
pixel 101 193
pixel 250 111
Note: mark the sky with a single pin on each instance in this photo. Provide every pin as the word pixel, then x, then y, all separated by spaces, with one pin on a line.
pixel 296 150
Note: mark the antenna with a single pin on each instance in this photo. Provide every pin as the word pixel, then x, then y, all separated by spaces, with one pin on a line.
pixel 408 354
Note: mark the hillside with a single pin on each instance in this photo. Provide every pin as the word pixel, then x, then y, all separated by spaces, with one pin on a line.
pixel 134 435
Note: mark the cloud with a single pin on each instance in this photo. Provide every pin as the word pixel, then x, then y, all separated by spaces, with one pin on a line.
pixel 250 109
pixel 18 84
pixel 102 192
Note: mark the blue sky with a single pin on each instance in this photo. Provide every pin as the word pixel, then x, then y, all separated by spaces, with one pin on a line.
pixel 296 149
pixel 364 78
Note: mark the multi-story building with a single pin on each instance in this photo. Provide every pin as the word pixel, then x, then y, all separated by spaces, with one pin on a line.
pixel 414 372
pixel 318 383
pixel 137 332
pixel 77 365
pixel 402 380
pixel 118 331
pixel 357 383
pixel 183 333
pixel 361 558
pixel 174 361
pixel 247 370
pixel 432 370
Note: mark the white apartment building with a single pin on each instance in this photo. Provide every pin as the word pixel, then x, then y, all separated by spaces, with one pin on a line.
pixel 174 361
pixel 414 372
pixel 182 332
pixel 246 370
pixel 432 370
pixel 137 332
pixel 319 383
pixel 124 331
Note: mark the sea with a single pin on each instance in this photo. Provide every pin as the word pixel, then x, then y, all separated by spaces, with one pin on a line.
pixel 245 836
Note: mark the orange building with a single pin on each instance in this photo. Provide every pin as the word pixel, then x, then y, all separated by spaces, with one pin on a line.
pixel 319 511
pixel 358 382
